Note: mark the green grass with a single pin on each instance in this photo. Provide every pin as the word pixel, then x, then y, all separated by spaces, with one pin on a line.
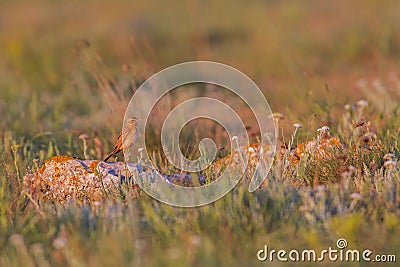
pixel 143 231
pixel 228 232
pixel 306 58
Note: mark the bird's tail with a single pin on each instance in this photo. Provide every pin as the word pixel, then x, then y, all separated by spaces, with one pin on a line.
pixel 114 152
pixel 108 157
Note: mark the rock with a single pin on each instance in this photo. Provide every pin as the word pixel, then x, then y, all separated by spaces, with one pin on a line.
pixel 62 178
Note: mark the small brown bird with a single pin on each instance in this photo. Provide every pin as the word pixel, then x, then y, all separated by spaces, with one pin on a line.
pixel 126 138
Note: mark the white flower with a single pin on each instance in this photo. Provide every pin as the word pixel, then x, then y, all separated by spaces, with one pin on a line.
pixel 250 149
pixel 277 116
pixel 297 125
pixel 324 129
pixel 356 196
pixel 84 136
pixel 390 164
pixel 389 156
pixel 362 103
pixel 321 188
pixel 352 169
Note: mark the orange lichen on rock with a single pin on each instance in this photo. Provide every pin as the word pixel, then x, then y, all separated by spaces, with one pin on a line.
pixel 42 168
pixel 57 158
pixel 64 178
pixel 94 165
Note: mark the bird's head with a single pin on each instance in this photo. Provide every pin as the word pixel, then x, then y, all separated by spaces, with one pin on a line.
pixel 133 121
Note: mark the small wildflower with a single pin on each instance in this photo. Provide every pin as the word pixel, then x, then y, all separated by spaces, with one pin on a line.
pixel 389 156
pixel 324 129
pixel 352 169
pixel 356 196
pixel 321 188
pixel 84 137
pixel 390 164
pixel 250 150
pixel 362 103
pixel 97 203
pixel 277 116
pixel 297 125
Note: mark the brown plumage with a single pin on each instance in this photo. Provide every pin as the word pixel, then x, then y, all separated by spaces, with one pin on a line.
pixel 126 138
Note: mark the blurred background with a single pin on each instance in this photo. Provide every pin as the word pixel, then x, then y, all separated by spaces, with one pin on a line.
pixel 57 58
